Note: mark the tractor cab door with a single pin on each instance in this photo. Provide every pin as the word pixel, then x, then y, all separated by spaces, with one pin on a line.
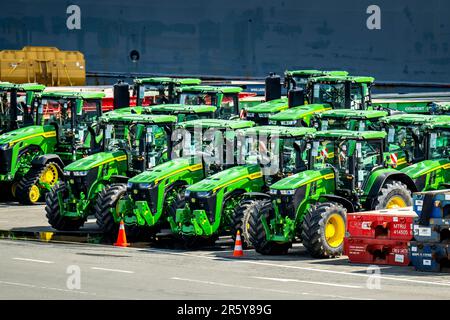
pixel 228 106
pixel 438 144
pixel 368 155
pixel 335 94
pixel 356 97
pixel 293 156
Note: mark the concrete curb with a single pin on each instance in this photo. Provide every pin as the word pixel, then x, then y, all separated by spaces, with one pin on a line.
pixel 49 236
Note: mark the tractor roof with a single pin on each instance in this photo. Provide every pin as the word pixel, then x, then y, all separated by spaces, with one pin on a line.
pixel 413 119
pixel 216 123
pixel 337 79
pixel 350 135
pixel 300 112
pixel 282 132
pixel 352 114
pixel 210 89
pixel 182 108
pixel 314 73
pixel 137 118
pixel 167 80
pixel 22 86
pixel 269 106
pixel 71 95
pixel 440 122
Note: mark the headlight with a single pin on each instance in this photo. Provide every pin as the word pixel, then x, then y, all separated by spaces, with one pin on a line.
pixel 289 123
pixel 66 173
pixel 187 194
pixel 203 194
pixel 129 185
pixel 287 192
pixel 264 115
pixel 144 185
pixel 80 173
pixel 273 191
pixel 272 122
pixel 4 146
pixel 250 114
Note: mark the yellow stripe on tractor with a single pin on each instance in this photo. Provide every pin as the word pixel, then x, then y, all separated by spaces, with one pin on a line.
pixel 194 167
pixel 251 176
pixel 49 134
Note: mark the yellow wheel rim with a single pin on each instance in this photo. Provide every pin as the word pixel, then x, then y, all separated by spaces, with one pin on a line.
pixel 34 194
pixel 396 202
pixel 335 230
pixel 50 175
pixel 13 189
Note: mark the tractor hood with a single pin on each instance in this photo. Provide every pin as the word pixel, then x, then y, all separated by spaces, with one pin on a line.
pixel 167 169
pixel 22 134
pixel 226 177
pixel 299 112
pixel 419 169
pixel 270 106
pixel 297 180
pixel 96 160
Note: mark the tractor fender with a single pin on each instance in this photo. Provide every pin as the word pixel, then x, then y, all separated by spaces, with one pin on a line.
pixel 256 195
pixel 347 204
pixel 46 158
pixel 380 182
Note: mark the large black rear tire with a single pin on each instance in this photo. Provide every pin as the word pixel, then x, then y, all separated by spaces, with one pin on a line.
pixel 241 221
pixel 257 233
pixel 323 230
pixel 394 194
pixel 53 211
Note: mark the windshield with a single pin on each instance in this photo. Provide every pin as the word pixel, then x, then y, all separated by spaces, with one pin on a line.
pixel 198 99
pixel 298 82
pixel 159 93
pixel 409 138
pixel 348 124
pixel 439 144
pixel 5 103
pixel 333 94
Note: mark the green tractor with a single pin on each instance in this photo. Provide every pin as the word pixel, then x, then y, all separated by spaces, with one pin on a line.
pixel 348 173
pixel 154 195
pixel 160 90
pixel 32 157
pixel 425 141
pixel 16 105
pixel 297 85
pixel 213 205
pixel 131 143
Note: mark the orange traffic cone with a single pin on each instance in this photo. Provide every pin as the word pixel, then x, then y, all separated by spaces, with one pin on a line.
pixel 122 237
pixel 238 252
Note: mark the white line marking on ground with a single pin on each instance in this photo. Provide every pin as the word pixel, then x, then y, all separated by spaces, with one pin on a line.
pixel 266 264
pixel 264 289
pixel 112 270
pixel 40 287
pixel 311 282
pixel 33 260
pixel 91 220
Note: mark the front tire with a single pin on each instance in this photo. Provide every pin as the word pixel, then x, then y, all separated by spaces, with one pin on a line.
pixel 53 211
pixel 241 221
pixel 394 194
pixel 323 230
pixel 257 233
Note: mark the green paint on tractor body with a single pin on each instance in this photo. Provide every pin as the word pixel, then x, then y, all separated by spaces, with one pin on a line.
pixel 298 116
pixel 348 119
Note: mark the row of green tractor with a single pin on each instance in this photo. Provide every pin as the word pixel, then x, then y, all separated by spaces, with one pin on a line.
pixel 197 165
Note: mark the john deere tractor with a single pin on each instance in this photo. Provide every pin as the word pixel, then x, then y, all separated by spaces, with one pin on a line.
pixel 131 143
pixel 425 141
pixel 154 195
pixel 32 157
pixel 348 119
pixel 16 105
pixel 160 90
pixel 297 85
pixel 347 173
pixel 213 205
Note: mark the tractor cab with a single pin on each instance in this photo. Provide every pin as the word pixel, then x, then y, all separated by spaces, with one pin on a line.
pixel 438 142
pixel 411 134
pixel 296 84
pixel 73 116
pixel 16 105
pixel 350 92
pixel 352 156
pixel 348 119
pixel 280 151
pixel 225 99
pixel 160 90
pixel 141 139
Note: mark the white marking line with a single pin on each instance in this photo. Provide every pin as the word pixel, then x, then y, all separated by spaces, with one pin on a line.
pixel 112 270
pixel 311 282
pixel 33 260
pixel 265 289
pixel 302 268
pixel 91 220
pixel 40 287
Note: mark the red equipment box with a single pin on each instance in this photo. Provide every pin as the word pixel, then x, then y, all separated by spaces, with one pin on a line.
pixel 393 224
pixel 377 251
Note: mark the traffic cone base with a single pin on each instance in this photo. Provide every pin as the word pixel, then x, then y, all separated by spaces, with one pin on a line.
pixel 238 252
pixel 121 237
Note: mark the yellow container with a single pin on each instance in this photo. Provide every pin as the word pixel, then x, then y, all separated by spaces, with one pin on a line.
pixel 46 65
